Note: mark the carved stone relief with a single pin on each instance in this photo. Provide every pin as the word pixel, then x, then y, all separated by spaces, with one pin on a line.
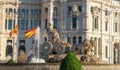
pixel 74 11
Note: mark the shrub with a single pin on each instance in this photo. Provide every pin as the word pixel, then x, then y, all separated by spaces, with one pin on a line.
pixel 11 61
pixel 70 62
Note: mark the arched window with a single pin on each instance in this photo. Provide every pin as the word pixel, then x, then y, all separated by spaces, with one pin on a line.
pixel 106 52
pixel 96 22
pixel 55 11
pixel 74 22
pixel 46 10
pixel 6 23
pixel 19 24
pixel 46 21
pixel 26 24
pixel 23 11
pixel 32 11
pixel 22 46
pixel 10 10
pixel 9 50
pixel 69 9
pixel 6 10
pixel 106 26
pixel 68 40
pixel 31 24
pixel 80 40
pixel 22 24
pixel 19 11
pixel 45 38
pixel 116 27
pixel 10 24
pixel 35 11
pixel 36 23
pixel 55 23
pixel 80 8
pixel 74 40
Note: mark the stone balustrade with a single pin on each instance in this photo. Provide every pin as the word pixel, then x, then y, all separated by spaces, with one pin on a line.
pixel 55 66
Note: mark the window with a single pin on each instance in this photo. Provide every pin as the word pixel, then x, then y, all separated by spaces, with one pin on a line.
pixel 9 49
pixel 19 11
pixel 22 24
pixel 39 11
pixel 55 23
pixel 26 24
pixel 68 40
pixel 46 23
pixel 106 51
pixel 106 26
pixel 80 8
pixel 14 24
pixel 35 23
pixel 46 10
pixel 74 22
pixel 6 10
pixel 106 13
pixel 22 41
pixel 91 9
pixel 80 40
pixel 23 11
pixel 19 24
pixel 14 10
pixel 10 10
pixel 33 41
pixel 115 14
pixel 6 24
pixel 45 38
pixel 55 11
pixel 36 11
pixel 27 11
pixel 22 46
pixel 74 40
pixel 115 27
pixel 96 23
pixel 69 9
pixel 31 11
pixel 10 24
pixel 40 23
pixel 31 23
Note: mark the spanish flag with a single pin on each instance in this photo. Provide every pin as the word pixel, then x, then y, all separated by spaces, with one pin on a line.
pixel 14 31
pixel 30 32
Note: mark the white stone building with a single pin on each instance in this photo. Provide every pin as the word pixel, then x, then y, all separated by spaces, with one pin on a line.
pixel 75 20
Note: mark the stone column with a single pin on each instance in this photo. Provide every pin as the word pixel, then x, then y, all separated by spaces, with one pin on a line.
pixel 50 13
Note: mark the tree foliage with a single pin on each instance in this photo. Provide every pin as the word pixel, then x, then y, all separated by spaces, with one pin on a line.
pixel 70 62
pixel 11 61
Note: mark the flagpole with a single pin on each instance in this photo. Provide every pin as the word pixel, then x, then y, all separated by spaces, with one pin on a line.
pixel 13 51
pixel 17 45
pixel 38 31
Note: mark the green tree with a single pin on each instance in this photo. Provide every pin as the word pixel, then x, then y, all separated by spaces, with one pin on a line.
pixel 11 61
pixel 70 62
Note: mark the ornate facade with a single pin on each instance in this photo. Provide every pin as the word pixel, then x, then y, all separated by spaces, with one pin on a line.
pixel 75 20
